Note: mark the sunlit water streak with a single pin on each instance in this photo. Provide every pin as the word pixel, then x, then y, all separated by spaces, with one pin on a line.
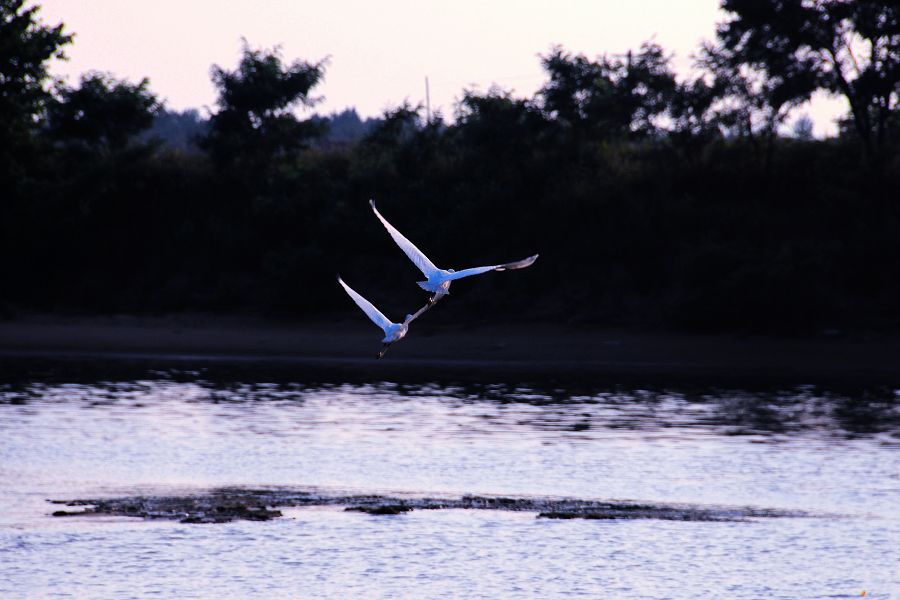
pixel 801 449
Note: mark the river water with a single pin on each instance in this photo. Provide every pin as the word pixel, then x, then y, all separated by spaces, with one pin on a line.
pixel 833 454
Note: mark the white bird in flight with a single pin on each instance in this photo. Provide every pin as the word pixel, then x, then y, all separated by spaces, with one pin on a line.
pixel 438 281
pixel 393 332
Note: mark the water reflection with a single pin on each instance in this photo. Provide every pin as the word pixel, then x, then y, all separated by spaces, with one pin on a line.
pixel 494 408
pixel 824 451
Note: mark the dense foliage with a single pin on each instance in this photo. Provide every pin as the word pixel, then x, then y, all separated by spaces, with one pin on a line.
pixel 652 200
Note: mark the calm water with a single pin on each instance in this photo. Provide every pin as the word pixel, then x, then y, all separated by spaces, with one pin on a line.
pixel 834 454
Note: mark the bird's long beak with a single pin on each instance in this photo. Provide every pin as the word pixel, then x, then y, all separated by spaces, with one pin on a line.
pixel 382 351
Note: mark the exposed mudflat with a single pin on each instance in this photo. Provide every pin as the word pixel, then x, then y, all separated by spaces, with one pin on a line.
pixel 225 505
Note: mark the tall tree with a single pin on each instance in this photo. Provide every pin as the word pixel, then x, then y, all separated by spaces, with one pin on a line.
pixel 396 126
pixel 850 49
pixel 497 121
pixel 26 45
pixel 102 113
pixel 613 96
pixel 752 101
pixel 254 122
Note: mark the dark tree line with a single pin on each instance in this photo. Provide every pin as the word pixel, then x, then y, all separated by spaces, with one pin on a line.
pixel 653 200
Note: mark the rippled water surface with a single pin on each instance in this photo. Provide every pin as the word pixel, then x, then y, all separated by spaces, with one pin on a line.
pixel 831 453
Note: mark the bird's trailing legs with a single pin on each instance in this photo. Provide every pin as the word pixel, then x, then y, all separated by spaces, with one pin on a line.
pixel 383 350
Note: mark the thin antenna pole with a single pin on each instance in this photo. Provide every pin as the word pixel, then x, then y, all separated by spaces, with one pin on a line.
pixel 427 101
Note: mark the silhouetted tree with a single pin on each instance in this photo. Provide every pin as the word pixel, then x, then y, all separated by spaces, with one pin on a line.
pixel 497 122
pixel 850 49
pixel 615 96
pixel 102 114
pixel 397 125
pixel 691 110
pixel 26 45
pixel 254 122
pixel 751 101
pixel 387 152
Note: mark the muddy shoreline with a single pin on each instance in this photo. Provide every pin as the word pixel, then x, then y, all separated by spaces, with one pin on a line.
pixel 346 349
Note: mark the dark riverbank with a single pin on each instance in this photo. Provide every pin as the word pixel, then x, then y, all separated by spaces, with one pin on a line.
pixel 540 350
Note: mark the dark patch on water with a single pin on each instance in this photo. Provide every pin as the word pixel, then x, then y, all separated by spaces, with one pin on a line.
pixel 386 509
pixel 222 506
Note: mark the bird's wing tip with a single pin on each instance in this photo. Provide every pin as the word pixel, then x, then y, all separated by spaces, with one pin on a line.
pixel 372 202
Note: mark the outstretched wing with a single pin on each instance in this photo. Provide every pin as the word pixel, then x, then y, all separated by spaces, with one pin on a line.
pixel 519 264
pixel 420 260
pixel 373 313
pixel 468 272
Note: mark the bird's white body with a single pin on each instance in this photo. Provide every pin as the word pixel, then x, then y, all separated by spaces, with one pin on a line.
pixel 438 280
pixel 395 332
pixel 439 284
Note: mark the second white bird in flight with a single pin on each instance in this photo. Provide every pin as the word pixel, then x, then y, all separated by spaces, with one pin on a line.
pixel 438 280
pixel 393 332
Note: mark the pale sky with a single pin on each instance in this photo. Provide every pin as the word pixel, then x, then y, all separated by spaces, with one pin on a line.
pixel 380 52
